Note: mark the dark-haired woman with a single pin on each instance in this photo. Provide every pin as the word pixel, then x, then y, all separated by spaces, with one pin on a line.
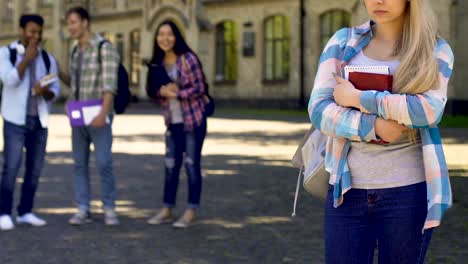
pixel 183 108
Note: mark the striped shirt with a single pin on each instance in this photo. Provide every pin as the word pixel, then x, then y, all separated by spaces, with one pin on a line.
pixel 94 79
pixel 191 91
pixel 422 111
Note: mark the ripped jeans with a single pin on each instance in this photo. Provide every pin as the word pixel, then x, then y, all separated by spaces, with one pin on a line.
pixel 179 142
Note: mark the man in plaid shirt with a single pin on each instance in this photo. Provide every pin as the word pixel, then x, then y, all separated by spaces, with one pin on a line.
pixel 92 78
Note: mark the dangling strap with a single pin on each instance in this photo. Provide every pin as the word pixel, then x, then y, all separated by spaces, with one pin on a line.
pixel 297 191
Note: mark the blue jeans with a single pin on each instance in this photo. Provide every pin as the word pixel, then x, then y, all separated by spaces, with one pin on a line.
pixel 101 138
pixel 179 141
pixel 32 137
pixel 391 219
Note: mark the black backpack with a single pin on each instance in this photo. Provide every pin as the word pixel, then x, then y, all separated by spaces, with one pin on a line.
pixel 44 55
pixel 123 96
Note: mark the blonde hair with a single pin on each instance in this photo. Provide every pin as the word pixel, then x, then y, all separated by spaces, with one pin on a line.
pixel 418 70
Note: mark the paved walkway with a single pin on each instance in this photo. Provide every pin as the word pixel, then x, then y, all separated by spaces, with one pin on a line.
pixel 247 200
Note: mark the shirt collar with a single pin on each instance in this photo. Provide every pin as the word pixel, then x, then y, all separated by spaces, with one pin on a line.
pixel 92 42
pixel 365 28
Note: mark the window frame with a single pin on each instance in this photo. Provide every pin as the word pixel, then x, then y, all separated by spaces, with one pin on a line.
pixel 284 39
pixel 223 46
pixel 345 18
pixel 135 60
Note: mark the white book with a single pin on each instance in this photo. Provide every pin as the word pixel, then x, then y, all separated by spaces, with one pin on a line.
pixel 90 112
pixel 48 79
pixel 365 68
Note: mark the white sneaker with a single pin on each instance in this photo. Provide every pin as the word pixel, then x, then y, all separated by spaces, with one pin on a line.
pixel 6 223
pixel 30 219
pixel 110 217
pixel 81 218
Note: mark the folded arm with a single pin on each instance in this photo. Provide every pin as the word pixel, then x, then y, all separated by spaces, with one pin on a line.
pixel 325 114
pixel 415 111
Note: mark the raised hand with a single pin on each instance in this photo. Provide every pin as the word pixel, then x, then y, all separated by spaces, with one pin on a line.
pixel 31 50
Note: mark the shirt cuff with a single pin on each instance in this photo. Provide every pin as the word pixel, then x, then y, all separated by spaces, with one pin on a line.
pixel 368 102
pixel 367 128
pixel 109 90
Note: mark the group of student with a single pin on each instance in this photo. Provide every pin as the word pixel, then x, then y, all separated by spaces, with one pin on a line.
pixel 93 74
pixel 389 196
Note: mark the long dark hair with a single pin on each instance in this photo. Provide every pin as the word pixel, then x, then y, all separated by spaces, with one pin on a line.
pixel 180 47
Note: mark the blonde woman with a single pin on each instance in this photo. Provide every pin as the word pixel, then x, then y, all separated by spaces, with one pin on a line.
pixel 392 195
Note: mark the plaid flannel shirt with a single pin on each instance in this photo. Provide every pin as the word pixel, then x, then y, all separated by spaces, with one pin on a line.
pixel 191 92
pixel 95 79
pixel 422 111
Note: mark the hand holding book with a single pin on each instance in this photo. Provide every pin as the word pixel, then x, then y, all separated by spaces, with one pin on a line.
pixel 363 78
pixel 345 93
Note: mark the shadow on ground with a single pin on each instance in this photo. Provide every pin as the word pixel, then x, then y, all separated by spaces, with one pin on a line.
pixel 245 218
pixel 246 136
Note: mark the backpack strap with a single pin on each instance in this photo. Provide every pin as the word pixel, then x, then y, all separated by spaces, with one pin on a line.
pixel 74 50
pixel 99 59
pixel 12 55
pixel 298 185
pixel 45 58
pixel 101 43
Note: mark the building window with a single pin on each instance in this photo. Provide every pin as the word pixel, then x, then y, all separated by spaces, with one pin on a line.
pixel 46 3
pixel 117 40
pixel 135 59
pixel 109 36
pixel 104 4
pixel 330 22
pixel 276 49
pixel 73 3
pixel 226 51
pixel 8 11
pixel 119 46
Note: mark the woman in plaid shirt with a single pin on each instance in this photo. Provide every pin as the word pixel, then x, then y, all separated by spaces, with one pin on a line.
pixel 183 104
pixel 393 195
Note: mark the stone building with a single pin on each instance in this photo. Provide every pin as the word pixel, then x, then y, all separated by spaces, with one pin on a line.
pixel 261 52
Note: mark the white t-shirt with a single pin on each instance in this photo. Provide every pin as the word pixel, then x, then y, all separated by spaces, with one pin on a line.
pixel 374 166
pixel 174 104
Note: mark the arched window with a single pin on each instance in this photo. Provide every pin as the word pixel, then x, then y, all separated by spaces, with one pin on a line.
pixel 8 11
pixel 117 39
pixel 45 3
pixel 226 51
pixel 276 48
pixel 332 21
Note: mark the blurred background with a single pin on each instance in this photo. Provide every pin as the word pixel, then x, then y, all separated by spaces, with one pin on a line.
pixel 255 52
pixel 260 58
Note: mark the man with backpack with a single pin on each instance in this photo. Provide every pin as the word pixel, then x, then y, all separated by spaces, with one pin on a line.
pixel 94 67
pixel 28 74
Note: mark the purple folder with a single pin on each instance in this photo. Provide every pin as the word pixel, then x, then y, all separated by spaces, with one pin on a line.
pixel 75 111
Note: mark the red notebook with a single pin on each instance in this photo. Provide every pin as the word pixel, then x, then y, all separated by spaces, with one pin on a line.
pixel 365 81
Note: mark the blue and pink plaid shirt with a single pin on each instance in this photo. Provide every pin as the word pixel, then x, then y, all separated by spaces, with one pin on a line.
pixel 422 111
pixel 191 92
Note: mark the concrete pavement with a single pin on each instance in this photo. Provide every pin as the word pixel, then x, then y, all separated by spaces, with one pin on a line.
pixel 246 204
